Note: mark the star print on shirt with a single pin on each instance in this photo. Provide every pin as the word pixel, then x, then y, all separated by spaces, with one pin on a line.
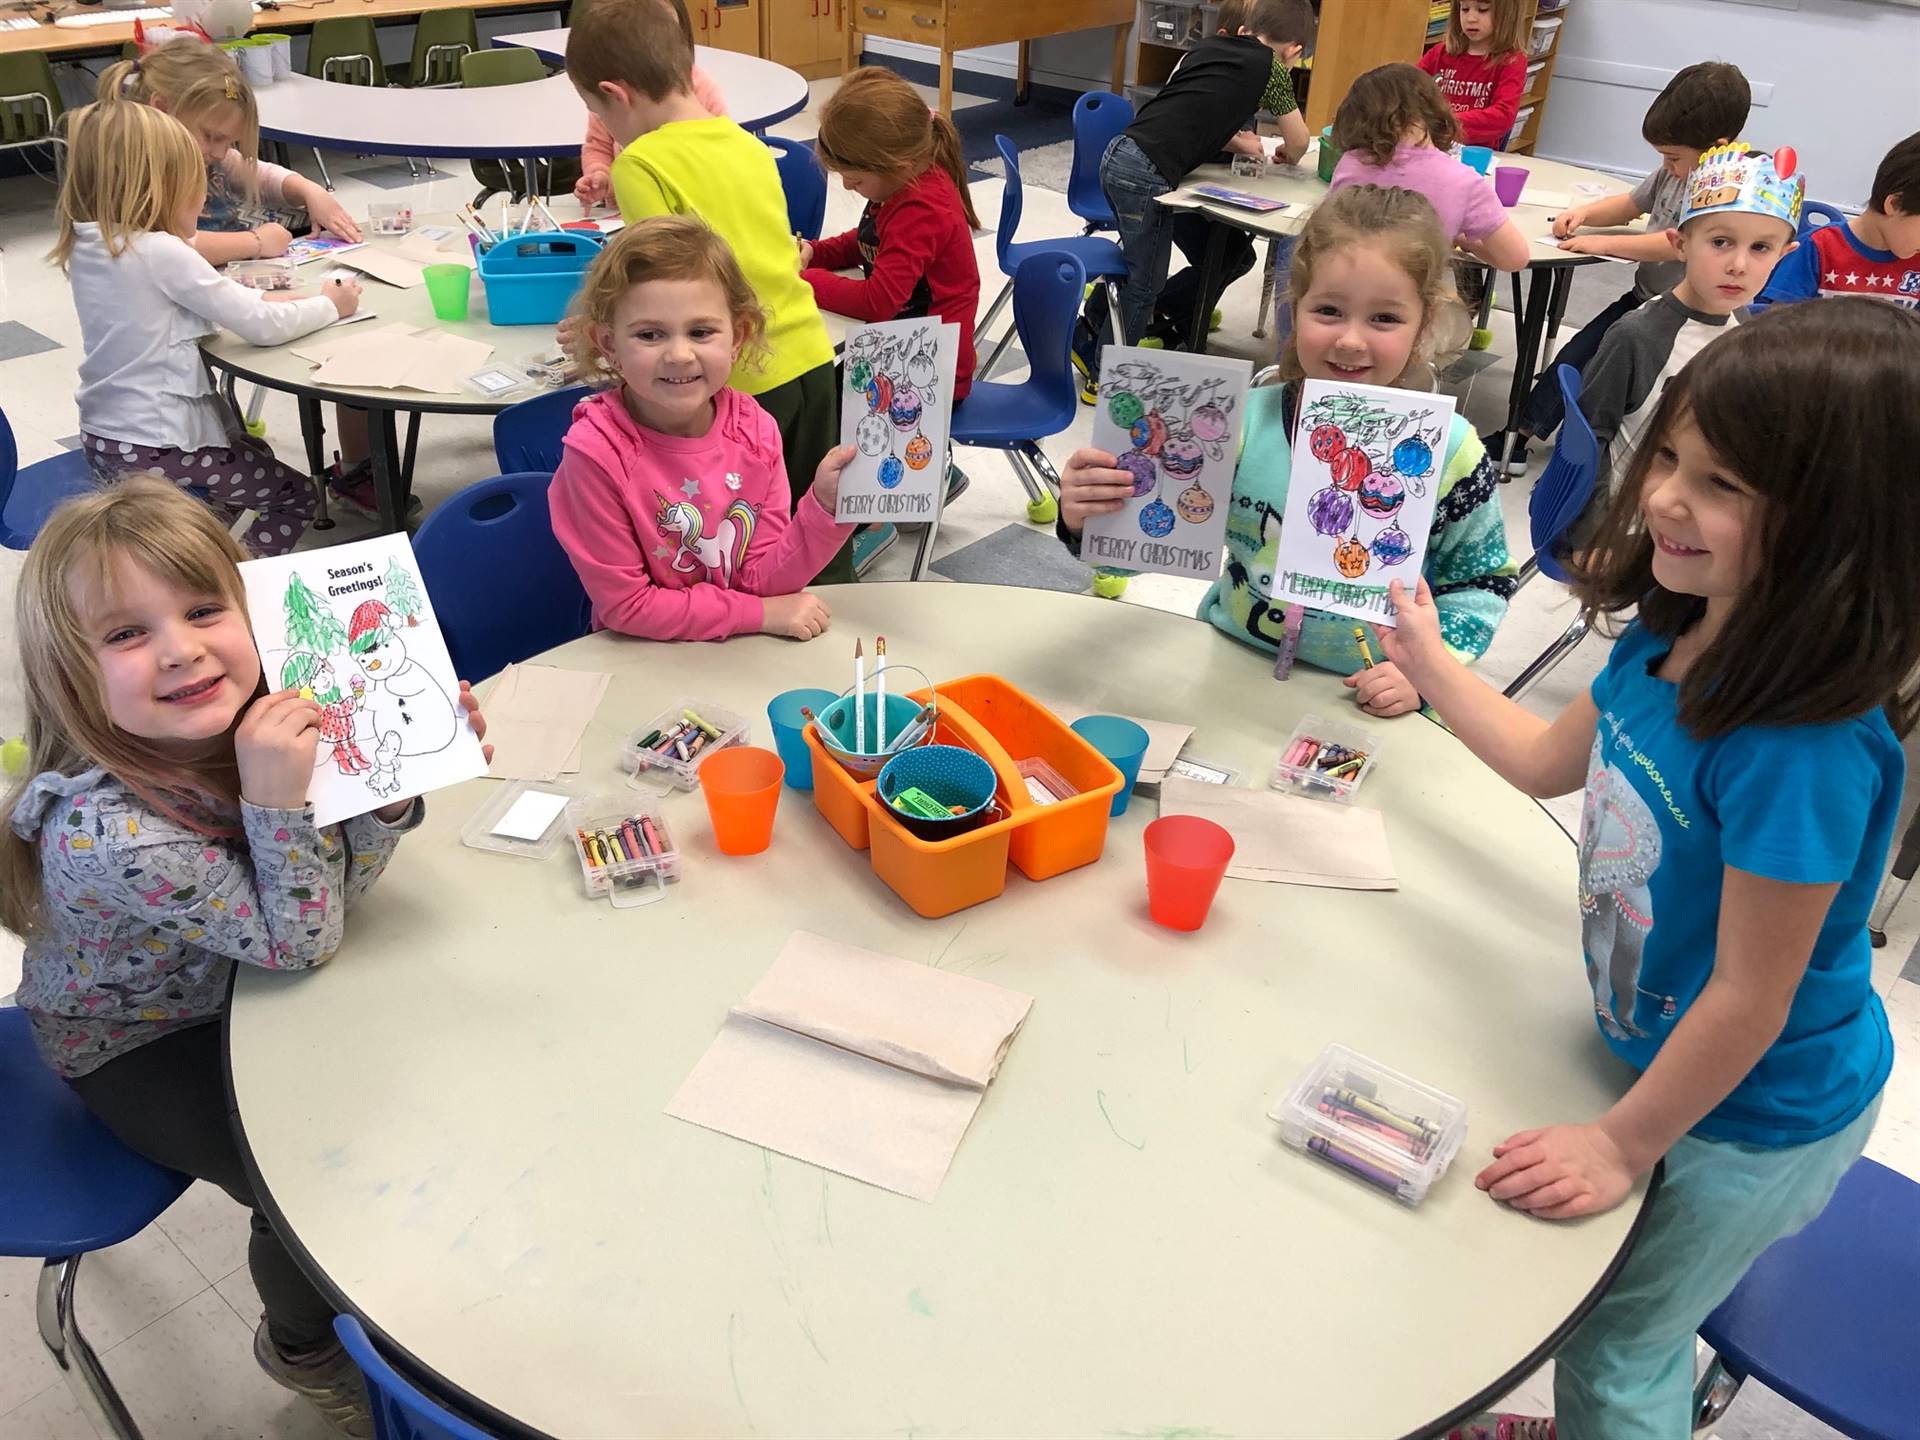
pixel 690 488
pixel 1833 277
pixel 663 551
pixel 1853 279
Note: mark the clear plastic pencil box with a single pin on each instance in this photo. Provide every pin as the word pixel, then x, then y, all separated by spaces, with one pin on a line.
pixel 1382 1128
pixel 678 767
pixel 626 852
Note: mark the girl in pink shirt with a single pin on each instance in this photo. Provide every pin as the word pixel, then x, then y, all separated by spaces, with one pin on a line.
pixel 671 498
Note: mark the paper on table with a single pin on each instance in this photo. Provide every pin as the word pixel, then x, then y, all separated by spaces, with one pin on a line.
pixel 1165 740
pixel 1289 839
pixel 394 269
pixel 428 250
pixel 1550 199
pixel 866 1064
pixel 529 816
pixel 396 359
pixel 536 716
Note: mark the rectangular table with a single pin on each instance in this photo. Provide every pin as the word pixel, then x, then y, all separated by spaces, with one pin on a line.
pixel 952 25
pixel 65 42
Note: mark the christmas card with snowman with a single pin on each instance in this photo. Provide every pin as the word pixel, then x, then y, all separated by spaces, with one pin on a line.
pixel 352 628
pixel 1360 500
pixel 1174 422
pixel 895 411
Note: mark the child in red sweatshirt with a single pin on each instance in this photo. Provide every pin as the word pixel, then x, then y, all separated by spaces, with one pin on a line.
pixel 1481 68
pixel 914 243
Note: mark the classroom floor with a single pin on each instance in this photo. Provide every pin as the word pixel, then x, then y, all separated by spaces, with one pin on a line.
pixel 172 1311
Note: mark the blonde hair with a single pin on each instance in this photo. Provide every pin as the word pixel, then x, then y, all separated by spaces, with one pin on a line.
pixel 877 122
pixel 1404 225
pixel 1509 28
pixel 189 79
pixel 661 247
pixel 155 525
pixel 131 170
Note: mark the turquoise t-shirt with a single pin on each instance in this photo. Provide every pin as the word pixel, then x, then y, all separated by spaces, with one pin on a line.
pixel 1664 815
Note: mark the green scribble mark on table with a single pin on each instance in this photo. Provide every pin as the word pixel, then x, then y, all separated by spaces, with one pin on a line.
pixel 1101 1096
pixel 917 1303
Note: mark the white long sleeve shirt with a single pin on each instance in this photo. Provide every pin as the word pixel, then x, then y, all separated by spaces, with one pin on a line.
pixel 143 314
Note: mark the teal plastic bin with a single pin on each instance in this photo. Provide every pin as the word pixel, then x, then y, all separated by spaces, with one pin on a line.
pixel 531 279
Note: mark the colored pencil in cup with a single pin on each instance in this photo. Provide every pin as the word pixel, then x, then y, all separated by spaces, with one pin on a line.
pixel 859 699
pixel 880 691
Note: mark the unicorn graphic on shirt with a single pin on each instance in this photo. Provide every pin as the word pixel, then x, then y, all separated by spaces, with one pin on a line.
pixel 718 554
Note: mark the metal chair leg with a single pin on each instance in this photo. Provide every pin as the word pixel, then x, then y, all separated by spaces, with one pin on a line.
pixel 1527 572
pixel 999 349
pixel 1026 459
pixel 321 161
pixel 1266 288
pixel 1712 1395
pixel 60 1332
pixel 1548 658
pixel 1906 862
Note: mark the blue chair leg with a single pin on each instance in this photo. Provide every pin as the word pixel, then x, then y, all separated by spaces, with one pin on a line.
pixel 60 1332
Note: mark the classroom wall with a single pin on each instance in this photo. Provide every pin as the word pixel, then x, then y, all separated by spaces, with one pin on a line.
pixel 1835 79
pixel 1080 60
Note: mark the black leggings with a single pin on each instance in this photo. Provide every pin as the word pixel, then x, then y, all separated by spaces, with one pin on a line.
pixel 168 1101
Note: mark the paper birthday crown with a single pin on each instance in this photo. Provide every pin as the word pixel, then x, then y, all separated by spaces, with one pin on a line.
pixel 1735 177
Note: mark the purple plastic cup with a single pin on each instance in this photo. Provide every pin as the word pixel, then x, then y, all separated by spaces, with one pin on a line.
pixel 1508 183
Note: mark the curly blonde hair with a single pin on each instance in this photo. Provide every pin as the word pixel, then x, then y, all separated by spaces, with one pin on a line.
pixel 661 247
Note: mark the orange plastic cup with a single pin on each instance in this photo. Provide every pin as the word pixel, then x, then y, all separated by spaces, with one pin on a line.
pixel 1186 859
pixel 742 786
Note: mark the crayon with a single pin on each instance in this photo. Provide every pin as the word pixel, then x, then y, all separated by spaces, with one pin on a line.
pixel 710 731
pixel 1367 1125
pixel 1353 1164
pixel 1366 650
pixel 634 839
pixel 586 847
pixel 1416 1127
pixel 647 744
pixel 651 835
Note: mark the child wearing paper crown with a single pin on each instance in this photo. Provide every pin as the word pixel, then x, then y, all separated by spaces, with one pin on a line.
pixel 1742 763
pixel 1742 211
pixel 1876 252
pixel 1373 305
pixel 161 835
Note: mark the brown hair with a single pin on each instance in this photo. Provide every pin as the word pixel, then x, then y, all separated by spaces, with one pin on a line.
pixel 1230 15
pixel 1404 224
pixel 159 527
pixel 643 44
pixel 188 78
pixel 1816 408
pixel 1701 106
pixel 1384 104
pixel 131 169
pixel 661 247
pixel 876 121
pixel 1898 178
pixel 1287 22
pixel 1509 30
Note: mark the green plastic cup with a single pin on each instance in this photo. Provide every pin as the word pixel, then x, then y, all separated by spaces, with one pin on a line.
pixel 448 287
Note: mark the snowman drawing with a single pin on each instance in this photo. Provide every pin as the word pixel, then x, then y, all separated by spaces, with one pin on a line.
pixel 405 700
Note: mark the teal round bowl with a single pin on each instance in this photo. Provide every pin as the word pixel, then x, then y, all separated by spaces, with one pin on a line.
pixel 952 775
pixel 836 730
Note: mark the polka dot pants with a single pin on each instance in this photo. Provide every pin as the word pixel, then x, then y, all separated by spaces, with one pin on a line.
pixel 240 477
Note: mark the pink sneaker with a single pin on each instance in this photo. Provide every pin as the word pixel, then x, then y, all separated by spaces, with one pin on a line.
pixel 1489 1426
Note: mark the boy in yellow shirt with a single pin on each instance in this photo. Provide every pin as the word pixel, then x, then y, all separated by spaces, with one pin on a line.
pixel 633 66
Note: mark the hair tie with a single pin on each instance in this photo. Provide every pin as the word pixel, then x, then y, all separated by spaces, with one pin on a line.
pixel 133 74
pixel 233 91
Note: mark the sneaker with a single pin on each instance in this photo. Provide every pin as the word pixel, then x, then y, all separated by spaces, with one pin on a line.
pixel 957 483
pixel 1489 1426
pixel 1086 359
pixel 870 542
pixel 1516 463
pixel 327 1379
pixel 352 485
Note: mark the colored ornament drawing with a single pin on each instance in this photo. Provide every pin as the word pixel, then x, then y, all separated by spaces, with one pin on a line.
pixel 1331 511
pixel 900 371
pixel 891 472
pixel 872 434
pixel 1210 424
pixel 1139 464
pixel 919 452
pixel 1156 518
pixel 905 408
pixel 1350 468
pixel 1392 546
pixel 1182 456
pixel 1413 457
pixel 1351 556
pixel 1194 505
pixel 860 375
pixel 1149 433
pixel 1125 408
pixel 1326 442
pixel 1382 496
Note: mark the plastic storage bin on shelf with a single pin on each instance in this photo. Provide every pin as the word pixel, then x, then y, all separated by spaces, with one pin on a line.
pixel 531 279
pixel 1006 727
pixel 1544 32
pixel 1180 22
pixel 1351 749
pixel 668 768
pixel 1520 119
pixel 1385 1129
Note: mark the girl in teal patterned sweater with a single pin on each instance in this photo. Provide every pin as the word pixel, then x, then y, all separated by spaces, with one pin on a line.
pixel 1369 283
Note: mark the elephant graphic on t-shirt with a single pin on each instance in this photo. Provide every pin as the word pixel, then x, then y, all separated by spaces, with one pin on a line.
pixel 1619 851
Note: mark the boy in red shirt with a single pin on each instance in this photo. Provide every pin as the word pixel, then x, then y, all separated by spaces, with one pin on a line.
pixel 1876 253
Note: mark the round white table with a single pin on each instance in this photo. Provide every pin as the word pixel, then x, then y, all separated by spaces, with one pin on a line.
pixel 458 1121
pixel 520 122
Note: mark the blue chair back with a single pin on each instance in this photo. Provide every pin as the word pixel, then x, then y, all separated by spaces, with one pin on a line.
pixel 71 1185
pixel 1815 213
pixel 1047 290
pixel 27 496
pixel 1098 116
pixel 1566 486
pixel 400 1412
pixel 502 587
pixel 1012 201
pixel 804 183
pixel 527 436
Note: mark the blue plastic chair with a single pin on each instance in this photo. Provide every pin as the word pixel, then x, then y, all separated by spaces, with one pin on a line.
pixel 1816 213
pixel 1099 258
pixel 804 183
pixel 527 436
pixel 400 1412
pixel 1098 116
pixel 28 494
pixel 1047 289
pixel 1825 1317
pixel 502 587
pixel 71 1187
pixel 1560 497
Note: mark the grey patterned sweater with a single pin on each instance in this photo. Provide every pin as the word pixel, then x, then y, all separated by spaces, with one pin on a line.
pixel 145 916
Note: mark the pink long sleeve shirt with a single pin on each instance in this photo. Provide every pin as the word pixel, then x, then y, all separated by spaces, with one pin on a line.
pixel 677 538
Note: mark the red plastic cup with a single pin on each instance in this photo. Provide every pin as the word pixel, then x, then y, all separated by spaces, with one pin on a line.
pixel 742 786
pixel 1186 859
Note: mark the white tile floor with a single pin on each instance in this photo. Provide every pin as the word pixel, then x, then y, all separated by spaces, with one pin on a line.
pixel 172 1310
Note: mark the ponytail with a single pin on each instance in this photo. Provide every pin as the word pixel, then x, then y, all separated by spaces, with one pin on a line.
pixel 946 154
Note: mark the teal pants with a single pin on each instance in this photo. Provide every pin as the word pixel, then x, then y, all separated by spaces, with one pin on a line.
pixel 1627 1372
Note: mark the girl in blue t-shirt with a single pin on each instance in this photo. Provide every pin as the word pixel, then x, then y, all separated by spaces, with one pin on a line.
pixel 1742 773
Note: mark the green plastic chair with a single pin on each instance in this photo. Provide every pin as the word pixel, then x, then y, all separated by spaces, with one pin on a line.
pixel 441 40
pixel 346 50
pixel 30 104
pixel 513 65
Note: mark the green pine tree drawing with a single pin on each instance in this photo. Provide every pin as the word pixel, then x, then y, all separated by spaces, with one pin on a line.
pixel 310 624
pixel 403 595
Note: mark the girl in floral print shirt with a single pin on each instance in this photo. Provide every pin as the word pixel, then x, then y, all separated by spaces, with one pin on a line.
pixel 163 834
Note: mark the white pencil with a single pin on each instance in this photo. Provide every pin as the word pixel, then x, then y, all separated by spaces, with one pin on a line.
pixel 859 700
pixel 880 689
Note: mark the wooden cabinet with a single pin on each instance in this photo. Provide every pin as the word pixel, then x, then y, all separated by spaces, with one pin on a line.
pixel 726 24
pixel 952 25
pixel 1355 37
pixel 806 35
